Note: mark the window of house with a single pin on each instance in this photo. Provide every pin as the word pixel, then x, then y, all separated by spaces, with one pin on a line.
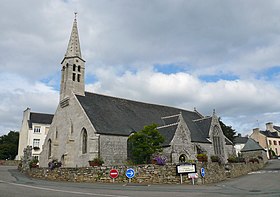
pixel 36 142
pixel 79 68
pixel 74 67
pixel 274 142
pixel 278 142
pixel 84 141
pixel 36 157
pixel 37 129
pixel 269 141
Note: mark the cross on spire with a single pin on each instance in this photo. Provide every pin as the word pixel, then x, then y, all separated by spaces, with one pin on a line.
pixel 75 15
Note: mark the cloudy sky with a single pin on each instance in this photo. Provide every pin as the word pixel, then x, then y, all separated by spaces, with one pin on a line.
pixel 216 54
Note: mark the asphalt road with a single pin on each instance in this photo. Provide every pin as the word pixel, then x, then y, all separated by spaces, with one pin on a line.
pixel 261 183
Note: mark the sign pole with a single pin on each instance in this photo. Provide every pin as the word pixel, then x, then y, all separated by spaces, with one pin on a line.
pixel 113 180
pixel 181 176
pixel 129 180
pixel 193 180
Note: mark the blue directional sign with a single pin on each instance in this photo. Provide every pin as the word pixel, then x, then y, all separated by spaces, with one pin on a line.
pixel 202 172
pixel 130 173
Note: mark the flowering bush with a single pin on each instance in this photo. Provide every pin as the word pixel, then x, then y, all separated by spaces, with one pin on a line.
pixel 54 164
pixel 160 160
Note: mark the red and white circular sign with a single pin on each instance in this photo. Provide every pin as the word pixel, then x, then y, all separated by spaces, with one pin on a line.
pixel 114 173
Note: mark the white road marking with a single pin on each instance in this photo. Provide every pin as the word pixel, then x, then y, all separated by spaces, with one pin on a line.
pixel 62 191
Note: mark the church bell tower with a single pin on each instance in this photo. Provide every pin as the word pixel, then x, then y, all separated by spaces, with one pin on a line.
pixel 73 67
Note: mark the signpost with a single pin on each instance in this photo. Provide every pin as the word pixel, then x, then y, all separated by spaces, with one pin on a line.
pixel 202 172
pixel 114 174
pixel 193 176
pixel 130 174
pixel 185 168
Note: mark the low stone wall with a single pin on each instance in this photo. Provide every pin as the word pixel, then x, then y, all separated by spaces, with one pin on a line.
pixel 9 162
pixel 146 174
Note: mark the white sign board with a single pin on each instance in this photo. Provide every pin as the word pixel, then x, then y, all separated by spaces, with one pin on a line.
pixel 186 168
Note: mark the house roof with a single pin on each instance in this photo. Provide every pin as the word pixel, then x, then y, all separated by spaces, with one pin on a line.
pixel 251 145
pixel 240 140
pixel 268 133
pixel 39 118
pixel 117 116
pixel 277 128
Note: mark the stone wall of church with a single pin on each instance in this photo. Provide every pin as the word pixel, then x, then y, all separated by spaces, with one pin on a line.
pixel 113 149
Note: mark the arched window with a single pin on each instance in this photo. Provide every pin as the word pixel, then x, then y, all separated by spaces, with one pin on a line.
pixel 49 148
pixel 217 141
pixel 74 76
pixel 78 77
pixel 182 158
pixel 79 68
pixel 84 141
pixel 74 67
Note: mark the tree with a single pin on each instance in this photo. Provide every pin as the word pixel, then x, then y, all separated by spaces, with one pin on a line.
pixel 9 145
pixel 228 131
pixel 143 144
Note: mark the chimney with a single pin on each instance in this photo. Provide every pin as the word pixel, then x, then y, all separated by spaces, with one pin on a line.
pixel 256 130
pixel 269 126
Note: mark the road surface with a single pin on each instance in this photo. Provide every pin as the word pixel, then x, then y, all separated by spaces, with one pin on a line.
pixel 265 182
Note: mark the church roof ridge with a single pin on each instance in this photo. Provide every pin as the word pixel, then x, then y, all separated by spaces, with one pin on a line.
pixel 143 102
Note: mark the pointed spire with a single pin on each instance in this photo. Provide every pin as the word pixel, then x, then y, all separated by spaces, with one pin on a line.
pixel 73 48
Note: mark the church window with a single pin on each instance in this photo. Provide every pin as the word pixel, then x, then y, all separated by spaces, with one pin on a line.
pixel 74 76
pixel 56 134
pixel 37 129
pixel 78 77
pixel 49 148
pixel 217 142
pixel 79 68
pixel 36 143
pixel 84 141
pixel 74 67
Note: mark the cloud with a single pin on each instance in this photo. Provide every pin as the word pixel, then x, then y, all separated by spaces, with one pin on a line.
pixel 17 94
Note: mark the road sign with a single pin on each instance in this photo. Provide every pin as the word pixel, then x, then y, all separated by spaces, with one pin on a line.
pixel 114 173
pixel 186 168
pixel 129 173
pixel 202 172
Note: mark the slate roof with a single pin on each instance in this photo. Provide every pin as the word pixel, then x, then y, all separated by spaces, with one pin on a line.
pixel 251 145
pixel 270 134
pixel 117 116
pixel 168 132
pixel 240 140
pixel 204 126
pixel 39 118
pixel 277 128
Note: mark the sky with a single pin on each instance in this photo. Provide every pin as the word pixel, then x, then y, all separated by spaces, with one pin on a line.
pixel 215 54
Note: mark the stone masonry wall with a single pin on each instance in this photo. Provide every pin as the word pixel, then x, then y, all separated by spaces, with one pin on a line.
pixel 146 174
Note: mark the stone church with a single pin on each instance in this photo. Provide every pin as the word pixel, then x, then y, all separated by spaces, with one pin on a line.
pixel 87 125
